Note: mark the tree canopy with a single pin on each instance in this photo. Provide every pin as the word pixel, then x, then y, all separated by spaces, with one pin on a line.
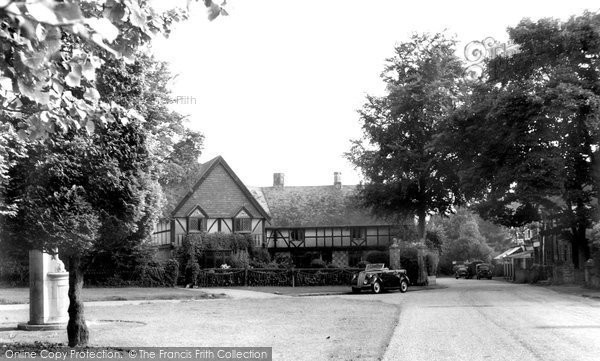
pixel 82 155
pixel 528 137
pixel 404 175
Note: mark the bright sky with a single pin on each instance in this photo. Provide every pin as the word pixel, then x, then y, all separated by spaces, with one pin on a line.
pixel 275 86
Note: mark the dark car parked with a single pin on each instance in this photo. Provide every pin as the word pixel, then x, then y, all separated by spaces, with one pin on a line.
pixel 461 271
pixel 377 279
pixel 484 270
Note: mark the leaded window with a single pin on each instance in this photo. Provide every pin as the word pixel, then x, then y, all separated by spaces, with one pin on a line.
pixel 197 224
pixel 242 225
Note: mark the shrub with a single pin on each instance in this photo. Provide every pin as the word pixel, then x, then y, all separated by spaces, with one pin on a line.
pixel 377 257
pixel 284 261
pixel 192 270
pixel 274 264
pixel 171 272
pixel 151 275
pixel 318 263
pixel 596 247
pixel 409 262
pixel 431 262
pixel 223 241
pixel 260 258
pixel 239 260
pixel 362 264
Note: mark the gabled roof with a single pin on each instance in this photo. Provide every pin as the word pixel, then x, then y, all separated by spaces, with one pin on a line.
pixel 316 206
pixel 260 198
pixel 203 172
pixel 174 192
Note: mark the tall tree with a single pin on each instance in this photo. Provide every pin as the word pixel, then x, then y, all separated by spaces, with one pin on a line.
pixel 464 237
pixel 404 175
pixel 174 149
pixel 51 50
pixel 528 137
pixel 74 192
pixel 88 176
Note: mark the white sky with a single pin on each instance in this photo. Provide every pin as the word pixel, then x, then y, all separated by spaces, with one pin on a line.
pixel 277 83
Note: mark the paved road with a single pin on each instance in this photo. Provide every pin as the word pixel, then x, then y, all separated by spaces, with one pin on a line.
pixel 493 320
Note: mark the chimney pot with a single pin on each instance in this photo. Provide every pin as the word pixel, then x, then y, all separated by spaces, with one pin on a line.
pixel 278 179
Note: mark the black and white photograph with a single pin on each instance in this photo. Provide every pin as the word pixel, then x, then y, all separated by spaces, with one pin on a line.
pixel 289 180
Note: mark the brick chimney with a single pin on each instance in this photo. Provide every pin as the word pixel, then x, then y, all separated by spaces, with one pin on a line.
pixel 278 179
pixel 337 180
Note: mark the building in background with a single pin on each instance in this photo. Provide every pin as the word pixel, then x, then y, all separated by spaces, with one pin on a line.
pixel 324 222
pixel 304 223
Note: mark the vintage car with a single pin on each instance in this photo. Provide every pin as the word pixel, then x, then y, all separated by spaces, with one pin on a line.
pixel 377 278
pixel 484 270
pixel 461 271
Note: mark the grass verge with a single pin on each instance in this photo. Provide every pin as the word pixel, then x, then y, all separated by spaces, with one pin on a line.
pixel 21 295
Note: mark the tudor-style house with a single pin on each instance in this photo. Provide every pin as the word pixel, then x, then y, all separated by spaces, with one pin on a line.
pixel 217 202
pixel 303 222
pixel 320 221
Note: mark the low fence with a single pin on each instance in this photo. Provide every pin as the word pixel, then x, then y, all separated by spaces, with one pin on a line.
pixel 294 277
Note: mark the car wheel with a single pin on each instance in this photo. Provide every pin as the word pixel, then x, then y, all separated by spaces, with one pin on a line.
pixel 377 287
pixel 355 290
pixel 403 286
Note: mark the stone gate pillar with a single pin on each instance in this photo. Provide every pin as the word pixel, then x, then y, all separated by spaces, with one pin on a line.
pixel 395 255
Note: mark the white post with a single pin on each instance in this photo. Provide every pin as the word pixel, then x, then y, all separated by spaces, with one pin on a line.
pixel 48 293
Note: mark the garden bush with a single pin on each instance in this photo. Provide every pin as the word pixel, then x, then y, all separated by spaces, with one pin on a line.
pixel 151 275
pixel 171 272
pixel 409 262
pixel 282 261
pixel 378 257
pixel 192 269
pixel 362 264
pixel 431 261
pixel 239 259
pixel 318 263
pixel 260 258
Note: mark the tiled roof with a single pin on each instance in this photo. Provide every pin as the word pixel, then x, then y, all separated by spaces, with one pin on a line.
pixel 217 189
pixel 308 206
pixel 260 198
pixel 316 206
pixel 175 192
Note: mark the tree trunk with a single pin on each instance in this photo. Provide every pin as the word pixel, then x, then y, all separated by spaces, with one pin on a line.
pixel 77 330
pixel 421 225
pixel 422 221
